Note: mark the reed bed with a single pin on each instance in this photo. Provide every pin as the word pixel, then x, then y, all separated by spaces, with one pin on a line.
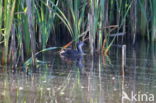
pixel 27 26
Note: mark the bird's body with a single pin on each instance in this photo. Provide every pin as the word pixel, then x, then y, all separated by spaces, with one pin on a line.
pixel 70 53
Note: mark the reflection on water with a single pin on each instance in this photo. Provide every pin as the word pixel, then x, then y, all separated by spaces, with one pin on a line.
pixel 90 79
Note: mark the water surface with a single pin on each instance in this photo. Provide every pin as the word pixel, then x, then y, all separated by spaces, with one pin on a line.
pixel 90 79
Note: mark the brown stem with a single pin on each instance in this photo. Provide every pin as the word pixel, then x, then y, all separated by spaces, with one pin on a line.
pixel 31 30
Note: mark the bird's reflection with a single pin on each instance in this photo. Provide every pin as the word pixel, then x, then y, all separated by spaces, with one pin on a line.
pixel 78 60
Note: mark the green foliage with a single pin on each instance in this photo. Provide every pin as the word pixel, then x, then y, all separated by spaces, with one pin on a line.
pixel 9 7
pixel 1 2
pixel 29 61
pixel 45 18
pixel 77 13
pixel 77 16
pixel 154 21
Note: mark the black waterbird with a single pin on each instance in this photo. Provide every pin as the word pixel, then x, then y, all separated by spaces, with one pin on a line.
pixel 70 53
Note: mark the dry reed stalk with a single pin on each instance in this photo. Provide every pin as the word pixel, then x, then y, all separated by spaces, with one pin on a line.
pixel 31 29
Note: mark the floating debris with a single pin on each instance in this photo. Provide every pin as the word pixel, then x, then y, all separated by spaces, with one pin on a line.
pixel 48 89
pixel 21 88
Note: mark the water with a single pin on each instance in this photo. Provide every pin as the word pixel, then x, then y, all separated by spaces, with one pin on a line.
pixel 91 79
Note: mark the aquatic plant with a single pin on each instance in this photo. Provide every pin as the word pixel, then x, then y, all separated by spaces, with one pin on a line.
pixel 27 27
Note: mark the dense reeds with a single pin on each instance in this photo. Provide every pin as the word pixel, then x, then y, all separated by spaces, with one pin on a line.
pixel 27 26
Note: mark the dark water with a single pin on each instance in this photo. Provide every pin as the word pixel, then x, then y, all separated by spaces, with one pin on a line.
pixel 91 79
